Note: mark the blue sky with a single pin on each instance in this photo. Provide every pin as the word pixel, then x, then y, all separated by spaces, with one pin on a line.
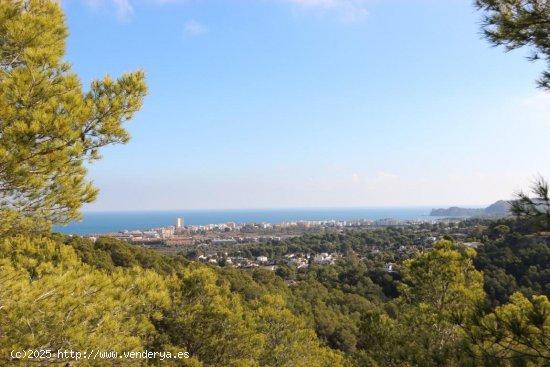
pixel 311 103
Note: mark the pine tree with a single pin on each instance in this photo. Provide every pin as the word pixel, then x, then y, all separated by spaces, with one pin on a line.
pixel 536 210
pixel 518 23
pixel 50 127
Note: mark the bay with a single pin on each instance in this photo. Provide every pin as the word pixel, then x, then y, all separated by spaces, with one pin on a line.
pixel 107 222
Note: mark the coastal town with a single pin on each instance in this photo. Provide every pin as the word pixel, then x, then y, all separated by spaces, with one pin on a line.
pixel 258 245
pixel 232 233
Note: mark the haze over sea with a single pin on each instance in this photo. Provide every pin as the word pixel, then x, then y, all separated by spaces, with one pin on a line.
pixel 105 222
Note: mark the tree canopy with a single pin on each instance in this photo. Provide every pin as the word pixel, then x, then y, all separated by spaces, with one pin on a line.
pixel 49 126
pixel 535 209
pixel 518 23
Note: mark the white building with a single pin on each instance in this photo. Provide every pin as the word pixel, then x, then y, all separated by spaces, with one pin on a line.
pixel 473 244
pixel 323 258
pixel 151 234
pixel 179 226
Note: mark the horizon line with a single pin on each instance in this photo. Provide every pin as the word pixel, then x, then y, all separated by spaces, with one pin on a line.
pixel 438 206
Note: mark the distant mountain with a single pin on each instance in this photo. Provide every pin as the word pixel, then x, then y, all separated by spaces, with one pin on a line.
pixel 500 208
pixel 455 211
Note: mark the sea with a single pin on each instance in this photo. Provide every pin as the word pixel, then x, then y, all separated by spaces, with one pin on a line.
pixel 109 222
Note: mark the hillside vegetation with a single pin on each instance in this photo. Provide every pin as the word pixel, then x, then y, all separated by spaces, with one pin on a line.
pixel 70 300
pixel 59 292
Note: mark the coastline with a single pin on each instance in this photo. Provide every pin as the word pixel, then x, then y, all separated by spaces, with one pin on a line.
pixel 108 222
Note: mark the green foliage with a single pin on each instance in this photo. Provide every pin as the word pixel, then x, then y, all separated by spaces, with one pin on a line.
pixel 515 334
pixel 64 292
pixel 108 253
pixel 334 314
pixel 286 271
pixel 59 292
pixel 49 127
pixel 50 300
pixel 241 282
pixel 515 263
pixel 347 243
pixel 535 210
pixel 439 292
pixel 288 342
pixel 208 320
pixel 502 230
pixel 443 280
pixel 519 23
